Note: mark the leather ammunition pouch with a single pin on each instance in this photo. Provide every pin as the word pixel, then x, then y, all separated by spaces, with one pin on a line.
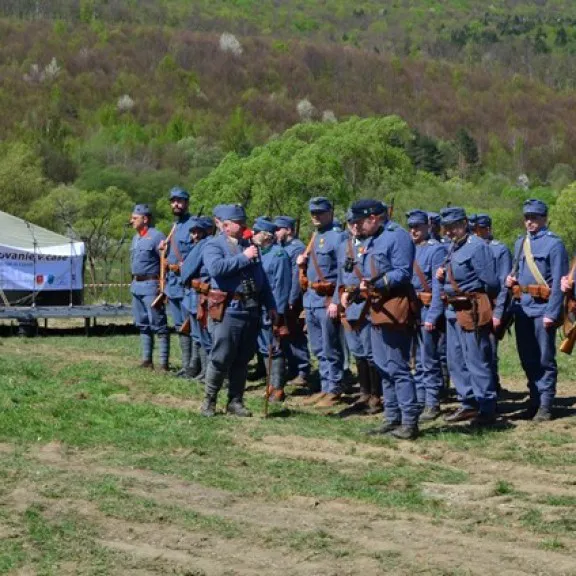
pixel 537 291
pixel 174 268
pixel 396 309
pixel 200 287
pixel 425 298
pixel 473 310
pixel 303 281
pixel 217 303
pixel 324 288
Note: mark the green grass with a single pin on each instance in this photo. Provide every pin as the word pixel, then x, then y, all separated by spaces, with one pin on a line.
pixel 85 396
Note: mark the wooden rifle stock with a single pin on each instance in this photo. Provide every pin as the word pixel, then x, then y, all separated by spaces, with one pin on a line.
pixel 160 300
pixel 185 328
pixel 569 305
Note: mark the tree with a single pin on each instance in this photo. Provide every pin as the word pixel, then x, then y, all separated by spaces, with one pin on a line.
pixel 467 152
pixel 563 217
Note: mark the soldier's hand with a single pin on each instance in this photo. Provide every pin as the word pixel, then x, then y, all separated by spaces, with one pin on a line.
pixel 429 327
pixel 345 299
pixel 301 259
pixel 511 281
pixel 566 284
pixel 332 311
pixel 440 273
pixel 162 245
pixel 496 323
pixel 364 284
pixel 548 323
pixel 251 252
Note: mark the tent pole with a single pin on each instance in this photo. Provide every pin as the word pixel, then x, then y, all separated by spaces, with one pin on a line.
pixel 70 303
pixel 35 246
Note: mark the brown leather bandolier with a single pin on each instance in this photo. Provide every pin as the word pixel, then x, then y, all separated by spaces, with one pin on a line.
pixel 425 295
pixel 473 309
pixel 537 291
pixel 393 309
pixel 322 287
pixel 569 313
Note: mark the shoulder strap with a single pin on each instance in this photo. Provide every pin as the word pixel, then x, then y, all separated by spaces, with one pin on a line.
pixel 175 248
pixel 321 276
pixel 350 250
pixel 452 280
pixel 529 257
pixel 419 272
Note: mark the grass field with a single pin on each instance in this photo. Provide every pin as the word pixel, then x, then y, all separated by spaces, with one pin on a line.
pixel 108 470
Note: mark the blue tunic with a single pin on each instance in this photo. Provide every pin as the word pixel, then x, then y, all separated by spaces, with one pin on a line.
pixel 178 248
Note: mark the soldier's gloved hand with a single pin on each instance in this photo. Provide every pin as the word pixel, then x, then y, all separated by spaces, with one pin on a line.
pixel 301 259
pixel 332 311
pixel 511 281
pixel 548 323
pixel 251 252
pixel 566 284
pixel 440 273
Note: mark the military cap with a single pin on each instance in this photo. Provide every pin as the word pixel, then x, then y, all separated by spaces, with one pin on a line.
pixel 417 217
pixel 367 207
pixel 535 206
pixel 217 211
pixel 233 212
pixel 179 193
pixel 200 222
pixel 285 222
pixel 142 210
pixel 206 222
pixel 434 218
pixel 264 225
pixel 319 204
pixel 484 221
pixel 452 215
pixel 473 219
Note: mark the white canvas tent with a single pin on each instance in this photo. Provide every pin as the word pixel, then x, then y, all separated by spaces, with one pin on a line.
pixel 36 262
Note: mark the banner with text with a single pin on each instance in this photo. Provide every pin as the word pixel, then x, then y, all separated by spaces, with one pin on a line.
pixel 52 268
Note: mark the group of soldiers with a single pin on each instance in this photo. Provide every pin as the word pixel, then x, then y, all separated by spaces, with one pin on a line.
pixel 410 307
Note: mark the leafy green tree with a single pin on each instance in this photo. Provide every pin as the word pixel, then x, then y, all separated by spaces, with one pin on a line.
pixel 21 178
pixel 563 217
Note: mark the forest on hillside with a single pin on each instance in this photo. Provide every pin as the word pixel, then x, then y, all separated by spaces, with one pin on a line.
pixel 115 102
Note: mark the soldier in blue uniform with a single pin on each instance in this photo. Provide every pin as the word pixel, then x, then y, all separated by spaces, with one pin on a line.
pixel 145 267
pixel 357 328
pixel 296 344
pixel 238 289
pixel 178 246
pixel 386 264
pixel 430 255
pixel 196 282
pixel 276 264
pixel 320 265
pixel 542 261
pixel 469 280
pixel 503 263
pixel 435 223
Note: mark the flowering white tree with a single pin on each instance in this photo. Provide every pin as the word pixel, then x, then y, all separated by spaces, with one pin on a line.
pixel 229 43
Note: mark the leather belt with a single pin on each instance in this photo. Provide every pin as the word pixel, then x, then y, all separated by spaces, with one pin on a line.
pixel 145 277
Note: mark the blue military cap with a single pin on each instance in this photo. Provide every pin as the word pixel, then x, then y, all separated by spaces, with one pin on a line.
pixel 473 219
pixel 194 222
pixel 217 211
pixel 264 225
pixel 207 222
pixel 285 222
pixel 452 215
pixel 367 207
pixel 434 218
pixel 180 193
pixel 417 217
pixel 233 212
pixel 535 206
pixel 319 204
pixel 483 221
pixel 142 210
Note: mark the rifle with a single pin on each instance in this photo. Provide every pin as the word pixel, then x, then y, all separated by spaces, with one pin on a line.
pixel 185 328
pixel 160 300
pixel 569 340
pixel 507 316
pixel 268 377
